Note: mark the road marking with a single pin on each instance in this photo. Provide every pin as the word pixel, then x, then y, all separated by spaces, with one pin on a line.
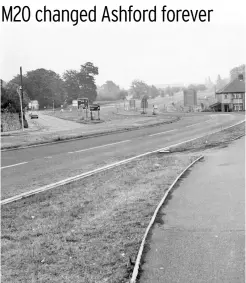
pixel 104 168
pixel 193 125
pixel 17 164
pixel 99 146
pixel 162 133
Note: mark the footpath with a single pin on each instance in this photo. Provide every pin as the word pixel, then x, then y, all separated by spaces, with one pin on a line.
pixel 202 236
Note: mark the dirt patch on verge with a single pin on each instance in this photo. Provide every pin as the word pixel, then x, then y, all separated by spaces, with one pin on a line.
pixel 88 230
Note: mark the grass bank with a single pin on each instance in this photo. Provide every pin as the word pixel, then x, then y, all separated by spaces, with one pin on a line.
pixel 88 230
pixel 222 138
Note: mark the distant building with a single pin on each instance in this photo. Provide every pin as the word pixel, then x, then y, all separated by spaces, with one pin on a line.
pixel 190 97
pixel 231 97
pixel 75 103
pixel 33 105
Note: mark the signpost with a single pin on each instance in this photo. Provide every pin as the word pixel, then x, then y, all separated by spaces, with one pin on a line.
pixel 132 103
pixel 95 107
pixel 144 104
pixel 84 103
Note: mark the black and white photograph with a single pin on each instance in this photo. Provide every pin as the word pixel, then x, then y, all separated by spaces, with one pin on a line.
pixel 122 141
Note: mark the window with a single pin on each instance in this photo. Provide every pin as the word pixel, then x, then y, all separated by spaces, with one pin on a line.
pixel 225 96
pixel 238 107
pixel 237 95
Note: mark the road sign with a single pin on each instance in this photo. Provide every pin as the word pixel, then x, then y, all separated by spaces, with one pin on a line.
pixel 84 102
pixel 132 103
pixel 95 107
pixel 144 103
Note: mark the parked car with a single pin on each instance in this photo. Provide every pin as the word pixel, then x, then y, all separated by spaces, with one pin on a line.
pixel 33 115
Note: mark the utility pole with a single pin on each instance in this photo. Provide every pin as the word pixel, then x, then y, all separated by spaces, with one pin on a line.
pixel 1 86
pixel 21 85
pixel 19 91
pixel 21 98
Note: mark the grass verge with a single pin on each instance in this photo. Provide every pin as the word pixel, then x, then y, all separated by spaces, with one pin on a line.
pixel 219 139
pixel 48 138
pixel 88 230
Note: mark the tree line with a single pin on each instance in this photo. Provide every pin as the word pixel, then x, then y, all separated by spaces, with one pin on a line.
pixel 49 88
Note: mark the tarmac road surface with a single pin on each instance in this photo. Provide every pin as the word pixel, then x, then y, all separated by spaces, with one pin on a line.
pixel 27 169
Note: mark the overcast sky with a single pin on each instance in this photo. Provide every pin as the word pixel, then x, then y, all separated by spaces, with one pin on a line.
pixel 158 53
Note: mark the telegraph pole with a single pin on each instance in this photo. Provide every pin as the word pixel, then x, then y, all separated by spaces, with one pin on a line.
pixel 1 86
pixel 21 85
pixel 19 91
pixel 21 98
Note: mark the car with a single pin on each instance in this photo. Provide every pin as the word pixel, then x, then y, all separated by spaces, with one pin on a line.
pixel 33 116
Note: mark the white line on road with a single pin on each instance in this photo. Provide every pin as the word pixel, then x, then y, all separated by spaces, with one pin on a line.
pixel 99 146
pixel 17 164
pixel 162 133
pixel 104 168
pixel 193 125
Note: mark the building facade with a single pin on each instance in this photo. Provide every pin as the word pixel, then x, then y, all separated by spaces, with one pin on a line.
pixel 190 97
pixel 33 105
pixel 231 97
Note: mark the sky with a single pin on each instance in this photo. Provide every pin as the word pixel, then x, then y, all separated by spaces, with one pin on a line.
pixel 155 52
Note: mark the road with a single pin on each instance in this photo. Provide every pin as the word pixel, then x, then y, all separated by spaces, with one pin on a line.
pixel 30 168
pixel 202 235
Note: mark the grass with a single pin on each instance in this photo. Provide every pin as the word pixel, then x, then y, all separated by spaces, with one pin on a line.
pixel 88 230
pixel 122 125
pixel 221 138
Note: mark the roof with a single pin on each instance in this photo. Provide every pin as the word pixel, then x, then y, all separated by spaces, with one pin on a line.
pixel 235 86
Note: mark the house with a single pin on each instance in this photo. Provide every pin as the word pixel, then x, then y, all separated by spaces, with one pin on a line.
pixel 33 105
pixel 231 97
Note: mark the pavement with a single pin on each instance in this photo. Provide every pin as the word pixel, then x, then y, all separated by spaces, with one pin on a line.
pixel 26 169
pixel 202 235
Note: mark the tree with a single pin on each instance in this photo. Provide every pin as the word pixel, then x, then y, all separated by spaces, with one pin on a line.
pixel 123 94
pixel 209 84
pixel 219 82
pixel 43 85
pixel 82 83
pixel 162 92
pixel 139 89
pixel 153 91
pixel 236 71
pixel 72 86
pixel 109 91
pixel 10 99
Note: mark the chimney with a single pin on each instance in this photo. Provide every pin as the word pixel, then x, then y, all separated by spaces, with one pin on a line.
pixel 240 77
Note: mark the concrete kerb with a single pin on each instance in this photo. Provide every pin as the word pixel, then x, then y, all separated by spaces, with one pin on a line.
pixel 140 252
pixel 86 136
pixel 101 169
